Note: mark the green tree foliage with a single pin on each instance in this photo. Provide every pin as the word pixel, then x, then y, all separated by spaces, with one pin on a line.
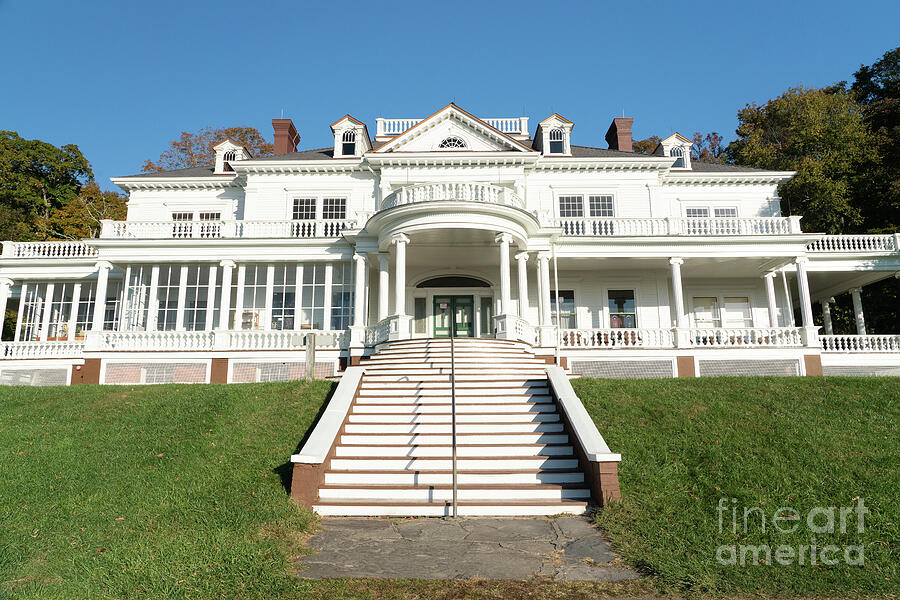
pixel 646 146
pixel 820 134
pixel 707 148
pixel 196 149
pixel 36 178
pixel 80 218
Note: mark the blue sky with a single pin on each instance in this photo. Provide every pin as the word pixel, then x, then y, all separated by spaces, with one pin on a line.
pixel 121 79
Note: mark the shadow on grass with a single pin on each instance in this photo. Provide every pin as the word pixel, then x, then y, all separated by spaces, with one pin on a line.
pixel 285 469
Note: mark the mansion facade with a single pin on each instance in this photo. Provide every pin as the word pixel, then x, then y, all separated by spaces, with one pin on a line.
pixel 615 264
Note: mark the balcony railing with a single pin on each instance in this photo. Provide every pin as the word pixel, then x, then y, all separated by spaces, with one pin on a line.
pixel 856 243
pixel 175 341
pixel 860 343
pixel 62 249
pixel 746 337
pixel 697 337
pixel 394 127
pixel 619 226
pixel 21 350
pixel 464 192
pixel 225 229
pixel 616 338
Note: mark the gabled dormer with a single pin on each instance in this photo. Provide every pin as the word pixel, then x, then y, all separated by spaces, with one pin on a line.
pixel 351 138
pixel 227 152
pixel 553 136
pixel 678 147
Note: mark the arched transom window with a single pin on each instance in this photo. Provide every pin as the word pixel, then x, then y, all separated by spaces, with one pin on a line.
pixel 230 156
pixel 677 153
pixel 452 143
pixel 557 141
pixel 348 141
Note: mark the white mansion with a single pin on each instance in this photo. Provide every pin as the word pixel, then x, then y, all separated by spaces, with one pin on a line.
pixel 615 264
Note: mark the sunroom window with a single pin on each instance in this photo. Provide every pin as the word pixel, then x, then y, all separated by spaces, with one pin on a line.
pixel 557 141
pixel 706 311
pixel 348 143
pixel 566 308
pixel 622 310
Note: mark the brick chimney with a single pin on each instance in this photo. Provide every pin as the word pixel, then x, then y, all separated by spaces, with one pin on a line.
pixel 618 136
pixel 286 136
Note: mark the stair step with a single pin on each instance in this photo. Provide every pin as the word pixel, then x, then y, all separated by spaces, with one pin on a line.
pixel 436 464
pixel 380 400
pixel 464 418
pixel 442 509
pixel 446 478
pixel 545 407
pixel 445 493
pixel 461 439
pixel 461 384
pixel 461 428
pixel 460 392
pixel 461 451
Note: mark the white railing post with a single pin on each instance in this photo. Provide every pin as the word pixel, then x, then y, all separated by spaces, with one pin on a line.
pixel 522 262
pixel 769 279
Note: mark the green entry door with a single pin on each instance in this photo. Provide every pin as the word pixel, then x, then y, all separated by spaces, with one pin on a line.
pixel 456 312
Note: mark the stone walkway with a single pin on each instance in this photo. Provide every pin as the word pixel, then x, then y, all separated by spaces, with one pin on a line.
pixel 563 549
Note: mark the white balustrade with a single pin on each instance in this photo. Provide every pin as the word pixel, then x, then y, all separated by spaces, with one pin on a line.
pixel 745 337
pixel 860 343
pixel 139 341
pixel 464 192
pixel 619 338
pixel 61 249
pixel 284 339
pixel 329 228
pixel 375 334
pixel 54 349
pixel 855 243
pixel 618 226
pixel 393 127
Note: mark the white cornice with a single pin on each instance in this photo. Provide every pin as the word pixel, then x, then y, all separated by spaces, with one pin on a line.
pixel 215 182
pixel 280 167
pixel 642 163
pixel 727 178
pixel 466 159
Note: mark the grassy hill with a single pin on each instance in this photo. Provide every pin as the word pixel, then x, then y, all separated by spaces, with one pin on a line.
pixel 178 492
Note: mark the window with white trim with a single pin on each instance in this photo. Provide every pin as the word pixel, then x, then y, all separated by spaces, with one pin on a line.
pixel 284 296
pixel 137 294
pixel 601 206
pixel 253 311
pixel 696 212
pixel 304 209
pixel 196 300
pixel 112 314
pixel 334 208
pixel 677 152
pixel 725 212
pixel 566 308
pixel 452 142
pixel 60 311
pixel 557 141
pixel 348 143
pixel 31 312
pixel 736 312
pixel 571 206
pixel 706 311
pixel 312 297
pixel 167 297
pixel 342 295
pixel 622 309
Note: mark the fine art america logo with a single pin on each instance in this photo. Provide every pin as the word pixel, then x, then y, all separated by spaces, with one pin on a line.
pixel 825 521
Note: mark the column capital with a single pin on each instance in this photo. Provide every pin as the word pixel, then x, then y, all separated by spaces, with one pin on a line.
pixel 383 259
pixel 675 260
pixel 522 256
pixel 503 238
pixel 801 260
pixel 359 257
pixel 104 264
pixel 6 282
pixel 770 275
pixel 544 256
pixel 399 238
pixel 827 300
pixel 227 263
pixel 855 290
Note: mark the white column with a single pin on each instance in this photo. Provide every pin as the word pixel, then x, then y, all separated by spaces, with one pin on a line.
pixel 826 316
pixel 103 269
pixel 384 281
pixel 5 287
pixel 22 295
pixel 803 284
pixel 225 303
pixel 298 290
pixel 544 267
pixel 540 290
pixel 329 281
pixel 152 309
pixel 770 298
pixel 270 291
pixel 856 293
pixel 359 280
pixel 73 313
pixel 790 301
pixel 504 240
pixel 182 292
pixel 678 292
pixel 400 241
pixel 522 260
pixel 239 297
pixel 45 317
pixel 210 297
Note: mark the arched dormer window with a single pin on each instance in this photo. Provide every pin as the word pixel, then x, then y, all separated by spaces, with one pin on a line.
pixel 348 143
pixel 677 153
pixel 452 143
pixel 230 156
pixel 557 141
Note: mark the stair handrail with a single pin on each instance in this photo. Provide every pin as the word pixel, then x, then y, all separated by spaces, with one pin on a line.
pixel 453 414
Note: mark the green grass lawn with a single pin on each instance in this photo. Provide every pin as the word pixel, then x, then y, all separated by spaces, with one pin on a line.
pixel 177 491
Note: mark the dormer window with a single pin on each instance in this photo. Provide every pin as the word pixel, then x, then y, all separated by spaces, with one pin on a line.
pixel 678 154
pixel 227 152
pixel 230 156
pixel 348 143
pixel 557 141
pixel 678 147
pixel 452 143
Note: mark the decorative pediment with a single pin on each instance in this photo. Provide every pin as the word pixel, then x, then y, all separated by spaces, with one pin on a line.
pixel 554 135
pixel 351 138
pixel 228 151
pixel 678 147
pixel 452 129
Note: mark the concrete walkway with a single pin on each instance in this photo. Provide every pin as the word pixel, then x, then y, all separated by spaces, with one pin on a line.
pixel 563 549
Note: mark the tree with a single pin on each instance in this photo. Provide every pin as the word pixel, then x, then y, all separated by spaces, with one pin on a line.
pixel 36 178
pixel 646 146
pixel 820 134
pixel 81 217
pixel 708 148
pixel 196 149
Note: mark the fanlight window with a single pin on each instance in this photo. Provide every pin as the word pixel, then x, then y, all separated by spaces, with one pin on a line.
pixel 452 143
pixel 678 153
pixel 348 147
pixel 230 156
pixel 557 139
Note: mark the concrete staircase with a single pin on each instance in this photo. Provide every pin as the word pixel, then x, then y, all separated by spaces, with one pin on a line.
pixel 392 455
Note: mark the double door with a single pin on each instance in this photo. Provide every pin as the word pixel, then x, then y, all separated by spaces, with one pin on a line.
pixel 454 315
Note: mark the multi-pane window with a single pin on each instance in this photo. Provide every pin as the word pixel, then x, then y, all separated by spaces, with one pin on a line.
pixel 183 226
pixel 167 297
pixel 342 281
pixel 678 154
pixel 196 298
pixel 304 209
pixel 706 311
pixel 85 311
pixel 622 309
pixel 32 310
pixel 601 206
pixel 420 316
pixel 113 305
pixel 210 226
pixel 253 309
pixel 334 208
pixel 727 212
pixel 182 216
pixel 487 316
pixel 736 312
pixel 566 308
pixel 557 141
pixel 452 143
pixel 571 206
pixel 697 212
pixel 60 310
pixel 348 143
pixel 312 298
pixel 137 295
pixel 284 296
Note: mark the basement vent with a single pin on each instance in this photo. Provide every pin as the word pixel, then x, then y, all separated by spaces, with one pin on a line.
pixel 863 370
pixel 34 377
pixel 712 368
pixel 121 373
pixel 623 369
pixel 256 372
